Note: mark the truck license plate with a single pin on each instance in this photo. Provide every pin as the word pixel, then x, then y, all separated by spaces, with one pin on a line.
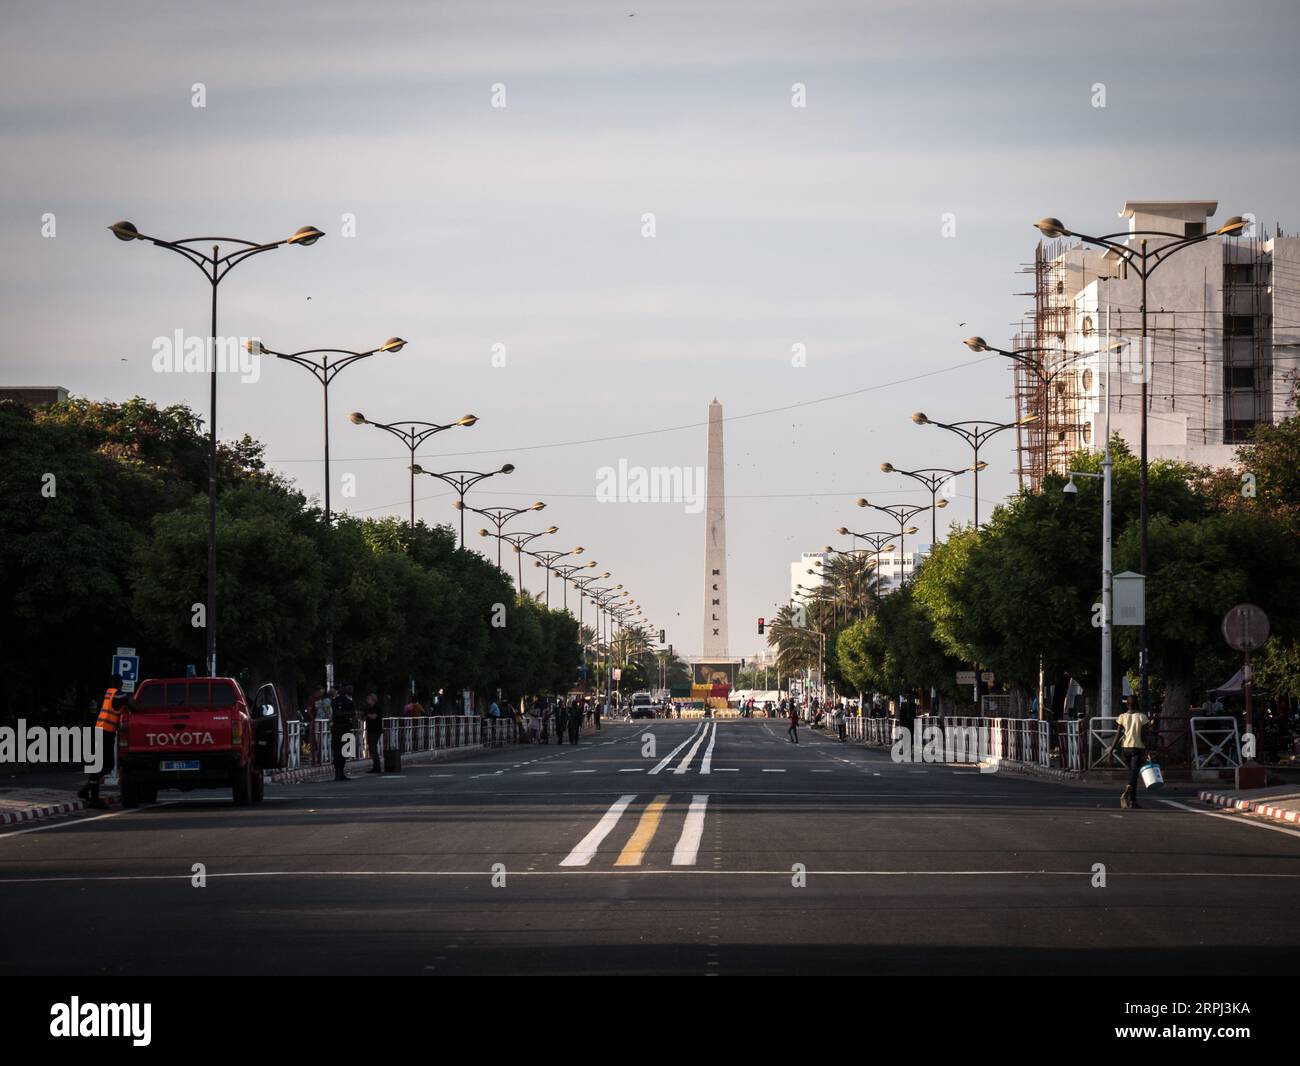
pixel 180 764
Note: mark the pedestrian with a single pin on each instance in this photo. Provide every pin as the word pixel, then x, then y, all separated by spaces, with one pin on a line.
pixel 793 731
pixel 413 708
pixel 575 723
pixel 595 710
pixel 106 723
pixel 1128 738
pixel 374 731
pixel 840 724
pixel 343 724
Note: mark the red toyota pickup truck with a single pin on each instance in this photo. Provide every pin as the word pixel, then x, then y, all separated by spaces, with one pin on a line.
pixel 198 732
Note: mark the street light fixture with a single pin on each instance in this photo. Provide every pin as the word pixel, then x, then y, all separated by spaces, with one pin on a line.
pixel 548 558
pixel 462 481
pixel 974 432
pixel 1143 259
pixel 902 513
pixel 325 372
pixel 933 478
pixel 498 516
pixel 215 267
pixel 413 435
pixel 520 541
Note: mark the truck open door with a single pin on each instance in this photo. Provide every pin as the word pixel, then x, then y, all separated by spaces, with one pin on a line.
pixel 270 734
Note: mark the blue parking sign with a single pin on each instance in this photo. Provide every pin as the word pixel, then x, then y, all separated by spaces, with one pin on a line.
pixel 126 664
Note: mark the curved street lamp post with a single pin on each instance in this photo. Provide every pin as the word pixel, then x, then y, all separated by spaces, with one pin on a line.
pixel 412 434
pixel 215 266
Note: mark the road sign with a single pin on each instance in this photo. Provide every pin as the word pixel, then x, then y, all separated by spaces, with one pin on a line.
pixel 1245 627
pixel 126 664
pixel 987 677
pixel 965 677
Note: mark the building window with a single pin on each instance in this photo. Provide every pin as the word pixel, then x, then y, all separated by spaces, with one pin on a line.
pixel 1193 229
pixel 1087 325
pixel 1239 325
pixel 1238 377
pixel 1087 381
pixel 1238 430
pixel 1239 273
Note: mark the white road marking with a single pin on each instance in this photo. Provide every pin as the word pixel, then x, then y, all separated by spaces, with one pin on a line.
pixel 582 771
pixel 587 846
pixel 685 764
pixel 672 754
pixel 727 770
pixel 688 844
pixel 773 771
pixel 1233 818
pixel 632 770
pixel 707 765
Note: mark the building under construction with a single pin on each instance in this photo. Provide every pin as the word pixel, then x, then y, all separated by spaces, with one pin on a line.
pixel 1223 343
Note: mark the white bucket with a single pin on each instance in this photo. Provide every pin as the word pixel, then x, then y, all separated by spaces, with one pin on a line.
pixel 1151 776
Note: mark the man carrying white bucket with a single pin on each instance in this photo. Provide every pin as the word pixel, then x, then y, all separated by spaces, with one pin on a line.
pixel 1132 750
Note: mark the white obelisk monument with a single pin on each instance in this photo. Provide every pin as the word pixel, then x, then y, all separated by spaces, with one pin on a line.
pixel 715 545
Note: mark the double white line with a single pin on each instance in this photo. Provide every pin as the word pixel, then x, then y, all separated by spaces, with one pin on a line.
pixel 684 854
pixel 704 731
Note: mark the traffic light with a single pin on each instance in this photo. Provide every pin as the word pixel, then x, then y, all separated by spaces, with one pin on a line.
pixel 761 623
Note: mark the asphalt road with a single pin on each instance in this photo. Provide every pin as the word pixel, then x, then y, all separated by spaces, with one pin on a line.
pixel 610 859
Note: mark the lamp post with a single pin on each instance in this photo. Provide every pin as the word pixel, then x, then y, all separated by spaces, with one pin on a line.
pixel 566 573
pixel 902 513
pixel 877 546
pixel 215 267
pixel 520 541
pixel 933 478
pixel 1143 259
pixel 974 432
pixel 462 481
pixel 1107 576
pixel 412 434
pixel 325 372
pixel 547 558
pixel 499 516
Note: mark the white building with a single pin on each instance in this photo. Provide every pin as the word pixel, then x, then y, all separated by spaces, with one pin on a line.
pixel 800 576
pixel 1222 352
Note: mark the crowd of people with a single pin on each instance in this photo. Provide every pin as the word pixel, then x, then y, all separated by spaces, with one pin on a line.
pixel 547 716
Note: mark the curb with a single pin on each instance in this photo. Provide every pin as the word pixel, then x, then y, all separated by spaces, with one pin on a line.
pixel 1279 814
pixel 325 772
pixel 32 814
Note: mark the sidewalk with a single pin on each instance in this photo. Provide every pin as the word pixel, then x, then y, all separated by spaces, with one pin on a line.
pixel 1281 803
pixel 29 804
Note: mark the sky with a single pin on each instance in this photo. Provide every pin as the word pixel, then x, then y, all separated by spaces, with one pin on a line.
pixel 815 268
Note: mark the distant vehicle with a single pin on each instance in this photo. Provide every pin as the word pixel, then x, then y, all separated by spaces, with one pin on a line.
pixel 642 706
pixel 199 732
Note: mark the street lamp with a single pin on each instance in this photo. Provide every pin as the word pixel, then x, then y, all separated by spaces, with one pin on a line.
pixel 974 432
pixel 548 558
pixel 566 573
pixel 1144 260
pixel 933 478
pixel 462 481
pixel 215 267
pixel 325 372
pixel 498 516
pixel 520 541
pixel 902 513
pixel 412 434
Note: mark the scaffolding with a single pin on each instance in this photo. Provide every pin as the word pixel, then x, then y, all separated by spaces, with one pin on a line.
pixel 1210 369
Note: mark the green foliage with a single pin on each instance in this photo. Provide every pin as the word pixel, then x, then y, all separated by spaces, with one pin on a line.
pixel 117 554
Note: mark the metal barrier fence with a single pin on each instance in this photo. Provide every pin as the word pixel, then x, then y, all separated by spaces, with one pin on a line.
pixel 312 743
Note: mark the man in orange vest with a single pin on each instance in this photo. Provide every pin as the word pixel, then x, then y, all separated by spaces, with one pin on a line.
pixel 110 713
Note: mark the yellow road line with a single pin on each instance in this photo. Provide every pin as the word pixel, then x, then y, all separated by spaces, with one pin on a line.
pixel 634 851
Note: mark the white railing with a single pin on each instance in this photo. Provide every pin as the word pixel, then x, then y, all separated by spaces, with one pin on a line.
pixel 1215 742
pixel 311 743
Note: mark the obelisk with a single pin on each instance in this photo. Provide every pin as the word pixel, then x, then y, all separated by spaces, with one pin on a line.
pixel 715 545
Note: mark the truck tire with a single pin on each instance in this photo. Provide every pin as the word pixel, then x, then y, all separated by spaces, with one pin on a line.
pixel 148 793
pixel 242 785
pixel 129 789
pixel 259 786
